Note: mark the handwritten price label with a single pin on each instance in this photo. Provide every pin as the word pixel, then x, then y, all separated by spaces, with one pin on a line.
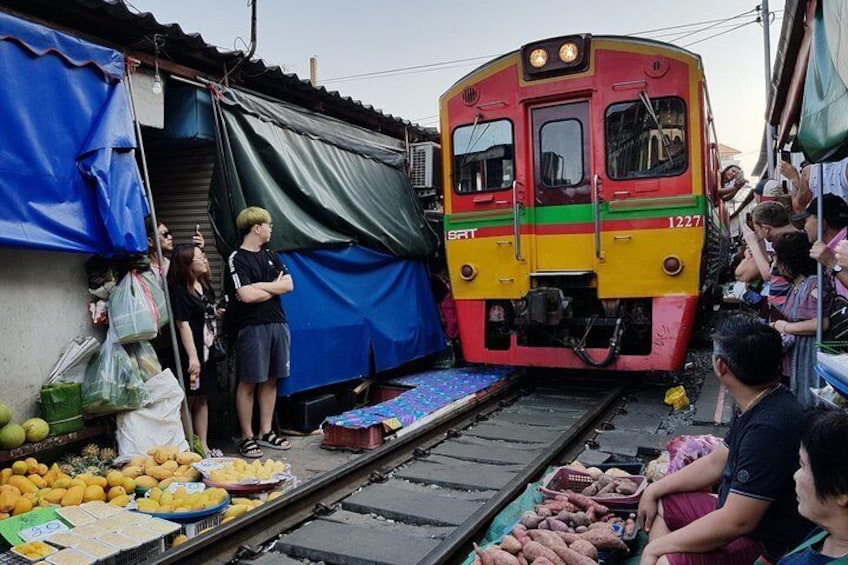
pixel 41 531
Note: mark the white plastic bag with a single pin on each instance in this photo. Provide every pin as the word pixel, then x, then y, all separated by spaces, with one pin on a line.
pixel 132 310
pixel 157 423
pixel 152 281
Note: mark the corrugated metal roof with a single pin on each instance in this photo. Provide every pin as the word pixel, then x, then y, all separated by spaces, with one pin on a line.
pixel 113 23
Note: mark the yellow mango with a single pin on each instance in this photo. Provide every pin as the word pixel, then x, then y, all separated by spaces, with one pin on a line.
pixel 4 515
pixel 185 458
pixel 5 474
pixel 166 508
pixel 62 482
pixel 37 480
pixel 146 481
pixel 55 496
pixel 138 461
pixel 76 482
pixel 74 496
pixel 129 484
pixel 94 492
pixel 179 540
pixel 242 500
pixel 42 469
pixel 132 471
pixel 161 473
pixel 167 499
pixel 171 465
pixel 275 494
pixel 147 505
pixel 22 505
pixel 99 481
pixel 236 510
pixel 20 468
pixel 7 500
pixel 155 494
pixel 116 491
pixel 161 455
pixel 228 519
pixel 115 478
pixel 22 483
pixel 166 482
pixel 121 501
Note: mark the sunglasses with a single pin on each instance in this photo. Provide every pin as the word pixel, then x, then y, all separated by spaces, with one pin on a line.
pixel 166 234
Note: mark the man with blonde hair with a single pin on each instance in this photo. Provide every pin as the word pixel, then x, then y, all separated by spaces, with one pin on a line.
pixel 257 278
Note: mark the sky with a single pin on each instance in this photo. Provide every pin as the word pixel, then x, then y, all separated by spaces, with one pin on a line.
pixel 372 36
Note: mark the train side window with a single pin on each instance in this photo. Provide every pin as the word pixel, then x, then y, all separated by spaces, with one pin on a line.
pixel 483 157
pixel 640 146
pixel 561 144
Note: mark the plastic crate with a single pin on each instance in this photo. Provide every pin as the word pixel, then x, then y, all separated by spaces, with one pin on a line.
pixel 193 529
pixel 356 438
pixel 139 554
pixel 566 478
pixel 630 468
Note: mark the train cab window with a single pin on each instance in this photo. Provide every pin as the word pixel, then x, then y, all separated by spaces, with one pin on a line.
pixel 561 160
pixel 483 157
pixel 646 138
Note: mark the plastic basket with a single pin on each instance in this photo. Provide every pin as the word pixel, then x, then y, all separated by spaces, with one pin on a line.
pixel 566 478
pixel 139 554
pixel 353 438
pixel 193 529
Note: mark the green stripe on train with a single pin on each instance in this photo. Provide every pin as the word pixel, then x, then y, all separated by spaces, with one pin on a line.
pixel 582 213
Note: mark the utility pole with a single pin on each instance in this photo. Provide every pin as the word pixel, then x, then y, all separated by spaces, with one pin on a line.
pixel 765 18
pixel 313 70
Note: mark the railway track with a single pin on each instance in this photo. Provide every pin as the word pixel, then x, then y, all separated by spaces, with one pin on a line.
pixel 422 497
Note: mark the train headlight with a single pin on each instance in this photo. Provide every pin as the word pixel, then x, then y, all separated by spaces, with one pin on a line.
pixel 538 58
pixel 672 266
pixel 568 52
pixel 468 272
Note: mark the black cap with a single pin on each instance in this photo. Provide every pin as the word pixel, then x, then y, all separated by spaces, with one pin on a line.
pixel 835 211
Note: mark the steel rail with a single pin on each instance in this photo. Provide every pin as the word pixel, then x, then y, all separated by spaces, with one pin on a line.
pixel 246 534
pixel 457 543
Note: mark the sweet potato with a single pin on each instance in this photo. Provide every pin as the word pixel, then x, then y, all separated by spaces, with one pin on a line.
pixel 522 560
pixel 534 550
pixel 511 544
pixel 546 538
pixel 603 540
pixel 485 557
pixel 583 502
pixel 583 547
pixel 605 526
pixel 493 555
pixel 567 537
pixel 572 557
pixel 625 487
pixel 542 561
pixel 556 525
pixel 543 511
pixel 530 519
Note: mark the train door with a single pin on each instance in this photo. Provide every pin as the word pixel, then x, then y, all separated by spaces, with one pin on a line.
pixel 563 195
pixel 486 213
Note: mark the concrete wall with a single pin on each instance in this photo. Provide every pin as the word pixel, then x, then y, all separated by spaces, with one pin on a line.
pixel 43 305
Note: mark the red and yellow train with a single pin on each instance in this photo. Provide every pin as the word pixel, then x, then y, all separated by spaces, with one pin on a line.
pixel 581 216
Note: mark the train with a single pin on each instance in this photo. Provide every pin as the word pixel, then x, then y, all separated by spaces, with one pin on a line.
pixel 582 222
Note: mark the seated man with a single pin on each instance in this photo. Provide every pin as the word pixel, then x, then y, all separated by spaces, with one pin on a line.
pixel 755 513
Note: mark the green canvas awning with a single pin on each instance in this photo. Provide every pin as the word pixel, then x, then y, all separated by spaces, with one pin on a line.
pixel 823 127
pixel 325 182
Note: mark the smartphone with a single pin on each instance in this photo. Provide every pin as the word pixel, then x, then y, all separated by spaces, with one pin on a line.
pixel 197 229
pixel 786 156
pixel 740 175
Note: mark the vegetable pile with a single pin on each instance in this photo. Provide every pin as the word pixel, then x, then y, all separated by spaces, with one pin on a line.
pixel 569 529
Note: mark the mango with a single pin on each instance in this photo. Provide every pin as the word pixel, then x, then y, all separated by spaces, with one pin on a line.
pixel 237 510
pixel 146 481
pixel 55 496
pixel 37 480
pixel 170 465
pixel 5 474
pixel 179 540
pixel 115 478
pixel 121 500
pixel 20 467
pixel 132 471
pixel 116 491
pixel 129 484
pixel 94 492
pixel 22 483
pixel 147 505
pixel 7 501
pixel 62 482
pixel 22 505
pixel 73 496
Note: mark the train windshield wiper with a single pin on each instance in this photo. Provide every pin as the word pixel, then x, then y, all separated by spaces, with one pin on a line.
pixel 649 106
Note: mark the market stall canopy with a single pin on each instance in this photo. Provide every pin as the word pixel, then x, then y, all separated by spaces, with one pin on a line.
pixel 325 182
pixel 68 176
pixel 823 128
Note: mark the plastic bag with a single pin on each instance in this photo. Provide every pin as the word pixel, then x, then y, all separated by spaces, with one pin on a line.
pixel 150 279
pixel 157 423
pixel 682 450
pixel 133 314
pixel 144 359
pixel 676 398
pixel 111 383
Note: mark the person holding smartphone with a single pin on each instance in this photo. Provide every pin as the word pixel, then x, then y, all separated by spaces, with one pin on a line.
pixel 732 180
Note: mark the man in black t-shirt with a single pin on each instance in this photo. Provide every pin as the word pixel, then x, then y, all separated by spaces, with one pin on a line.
pixel 256 280
pixel 755 513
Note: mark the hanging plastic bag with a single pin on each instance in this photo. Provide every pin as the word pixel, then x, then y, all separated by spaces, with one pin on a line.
pixel 133 314
pixel 144 359
pixel 152 281
pixel 111 383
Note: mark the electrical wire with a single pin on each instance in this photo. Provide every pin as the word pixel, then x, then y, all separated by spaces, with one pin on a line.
pixel 720 33
pixel 401 69
pixel 685 35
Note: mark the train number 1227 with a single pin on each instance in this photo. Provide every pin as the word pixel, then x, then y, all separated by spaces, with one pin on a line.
pixel 685 221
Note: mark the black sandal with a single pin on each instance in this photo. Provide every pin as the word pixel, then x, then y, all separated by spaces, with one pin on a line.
pixel 247 447
pixel 273 441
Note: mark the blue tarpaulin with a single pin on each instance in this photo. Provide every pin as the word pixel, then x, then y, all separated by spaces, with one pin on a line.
pixel 68 176
pixel 352 300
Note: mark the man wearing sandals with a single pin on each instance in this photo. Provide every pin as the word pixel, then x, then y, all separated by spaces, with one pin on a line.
pixel 256 280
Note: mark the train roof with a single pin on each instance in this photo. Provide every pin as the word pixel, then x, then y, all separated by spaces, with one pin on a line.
pixel 627 38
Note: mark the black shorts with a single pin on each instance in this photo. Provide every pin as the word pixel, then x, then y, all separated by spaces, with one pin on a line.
pixel 263 352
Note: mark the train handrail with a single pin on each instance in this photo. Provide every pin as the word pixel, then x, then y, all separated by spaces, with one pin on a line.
pixel 596 210
pixel 516 221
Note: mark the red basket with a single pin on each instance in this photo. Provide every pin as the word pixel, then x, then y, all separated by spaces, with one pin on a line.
pixel 353 438
pixel 566 478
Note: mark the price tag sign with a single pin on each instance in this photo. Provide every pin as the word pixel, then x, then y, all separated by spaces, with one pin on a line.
pixel 190 488
pixel 41 531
